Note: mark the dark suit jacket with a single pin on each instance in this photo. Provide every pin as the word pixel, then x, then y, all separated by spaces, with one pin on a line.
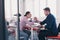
pixel 51 24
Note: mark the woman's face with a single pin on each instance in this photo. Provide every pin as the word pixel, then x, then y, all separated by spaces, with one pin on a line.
pixel 29 15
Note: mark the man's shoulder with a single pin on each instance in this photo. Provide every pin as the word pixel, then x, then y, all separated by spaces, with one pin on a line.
pixel 51 16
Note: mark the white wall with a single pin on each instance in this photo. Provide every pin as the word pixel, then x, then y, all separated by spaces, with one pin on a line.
pixel 7 9
pixel 10 9
pixel 29 6
pixel 35 6
pixel 21 7
pixel 14 7
pixel 58 11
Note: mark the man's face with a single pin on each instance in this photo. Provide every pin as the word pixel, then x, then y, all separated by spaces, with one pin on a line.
pixel 29 15
pixel 46 12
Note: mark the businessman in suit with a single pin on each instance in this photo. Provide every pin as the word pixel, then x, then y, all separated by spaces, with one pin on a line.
pixel 50 25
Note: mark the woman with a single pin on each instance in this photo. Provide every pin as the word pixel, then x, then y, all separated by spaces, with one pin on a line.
pixel 24 23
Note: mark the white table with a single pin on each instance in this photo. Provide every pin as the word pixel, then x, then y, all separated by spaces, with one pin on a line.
pixel 32 32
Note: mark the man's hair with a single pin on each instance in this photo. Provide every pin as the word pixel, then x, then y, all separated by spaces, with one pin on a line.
pixel 27 13
pixel 47 9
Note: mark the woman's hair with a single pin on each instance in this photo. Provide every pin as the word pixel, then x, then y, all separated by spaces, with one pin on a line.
pixel 27 13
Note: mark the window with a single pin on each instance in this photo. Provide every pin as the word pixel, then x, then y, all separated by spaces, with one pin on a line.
pixel 36 7
pixel 52 5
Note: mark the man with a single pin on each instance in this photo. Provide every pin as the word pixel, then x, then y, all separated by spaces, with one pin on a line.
pixel 50 25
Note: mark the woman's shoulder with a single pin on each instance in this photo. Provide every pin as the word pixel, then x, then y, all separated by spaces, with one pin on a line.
pixel 23 18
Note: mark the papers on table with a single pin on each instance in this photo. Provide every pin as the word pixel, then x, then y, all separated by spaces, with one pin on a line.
pixel 36 24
